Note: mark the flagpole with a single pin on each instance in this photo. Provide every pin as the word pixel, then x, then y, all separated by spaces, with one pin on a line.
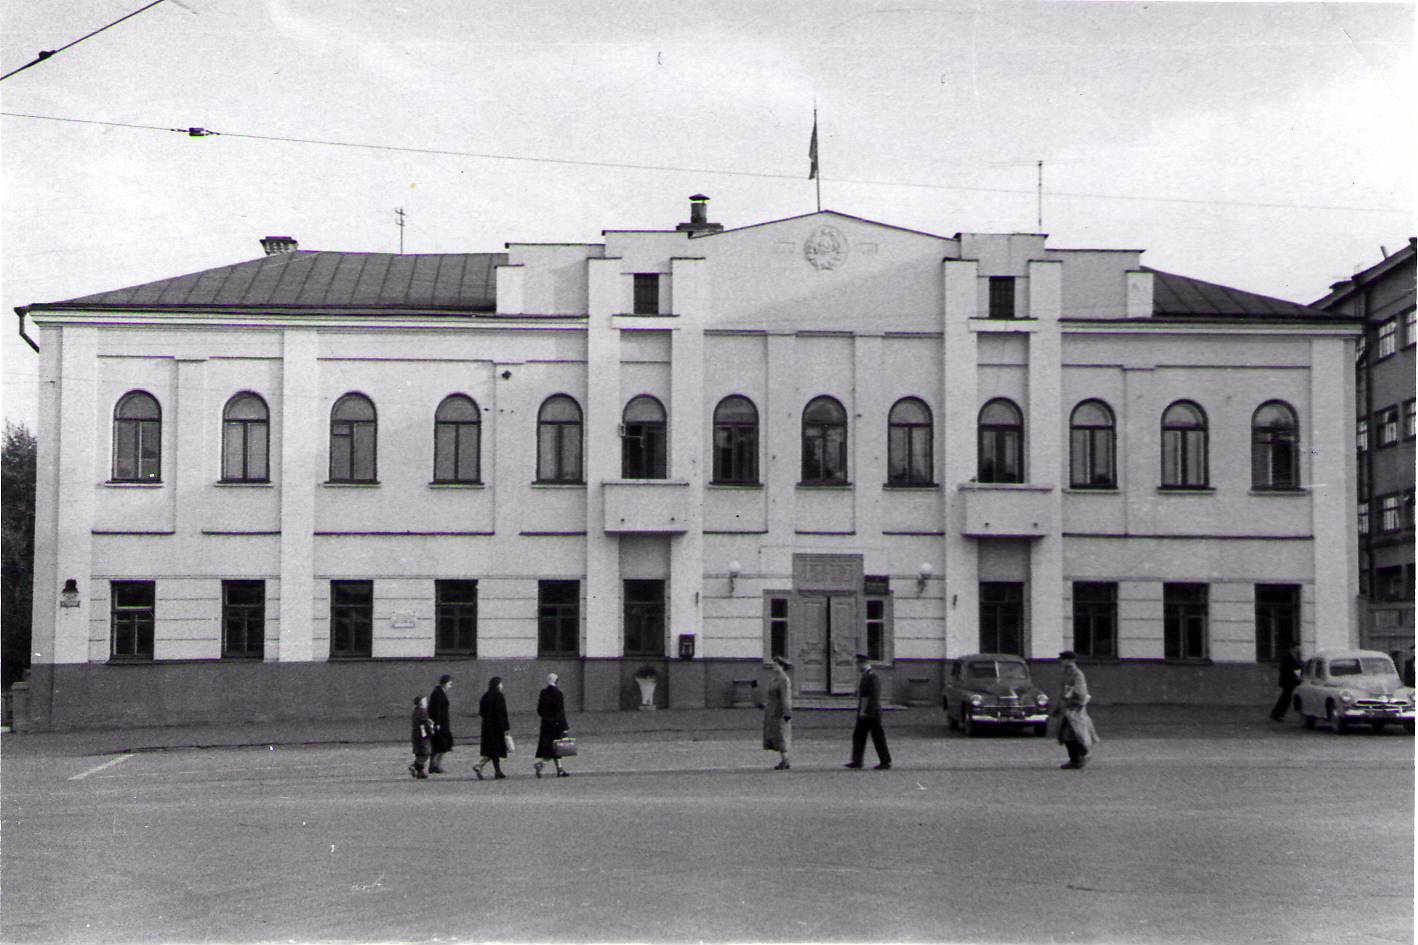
pixel 817 175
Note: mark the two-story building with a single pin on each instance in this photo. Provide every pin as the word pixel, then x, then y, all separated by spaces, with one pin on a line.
pixel 313 481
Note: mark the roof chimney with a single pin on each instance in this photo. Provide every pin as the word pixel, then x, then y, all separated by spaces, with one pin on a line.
pixel 275 245
pixel 699 218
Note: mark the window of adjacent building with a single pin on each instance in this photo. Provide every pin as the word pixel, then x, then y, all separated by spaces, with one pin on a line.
pixel 132 615
pixel 457 440
pixel 246 439
pixel 137 438
pixel 1184 462
pixel 736 441
pixel 1095 619
pixel 642 442
pixel 1391 587
pixel 1387 421
pixel 1184 621
pixel 1363 520
pixel 1275 447
pixel 777 626
pixel 456 618
pixel 1092 447
pixel 1001 430
pixel 1390 513
pixel 559 440
pixel 243 619
pixel 1001 296
pixel 909 441
pixel 876 624
pixel 1277 620
pixel 644 603
pixel 824 443
pixel 1388 338
pixel 1002 617
pixel 351 618
pixel 558 618
pixel 1361 435
pixel 1409 430
pixel 1410 328
pixel 1406 521
pixel 353 439
pixel 1361 348
pixel 647 293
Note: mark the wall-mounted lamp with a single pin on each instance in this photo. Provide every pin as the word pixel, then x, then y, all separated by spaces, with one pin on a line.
pixel 69 597
pixel 507 375
pixel 923 576
pixel 734 569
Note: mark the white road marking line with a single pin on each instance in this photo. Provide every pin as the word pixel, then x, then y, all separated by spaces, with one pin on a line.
pixel 107 764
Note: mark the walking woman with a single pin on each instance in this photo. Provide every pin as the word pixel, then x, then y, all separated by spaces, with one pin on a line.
pixel 439 712
pixel 778 711
pixel 551 709
pixel 493 709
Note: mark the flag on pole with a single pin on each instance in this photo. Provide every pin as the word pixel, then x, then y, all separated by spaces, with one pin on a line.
pixel 812 149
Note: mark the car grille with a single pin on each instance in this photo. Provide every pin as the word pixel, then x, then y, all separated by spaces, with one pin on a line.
pixel 1378 705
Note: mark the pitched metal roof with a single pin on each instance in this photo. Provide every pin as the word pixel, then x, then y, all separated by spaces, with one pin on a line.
pixel 1174 295
pixel 320 281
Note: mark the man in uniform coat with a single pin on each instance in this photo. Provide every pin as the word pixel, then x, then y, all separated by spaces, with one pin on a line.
pixel 868 718
pixel 442 741
pixel 1290 667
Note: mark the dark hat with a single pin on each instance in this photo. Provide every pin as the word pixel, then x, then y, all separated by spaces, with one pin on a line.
pixel 783 662
pixel 863 658
pixel 445 678
pixel 492 683
pixel 1067 655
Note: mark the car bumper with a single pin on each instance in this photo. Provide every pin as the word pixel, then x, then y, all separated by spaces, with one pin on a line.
pixel 988 716
pixel 1366 713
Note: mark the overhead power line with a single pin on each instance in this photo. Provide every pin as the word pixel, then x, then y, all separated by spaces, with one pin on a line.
pixel 47 53
pixel 198 132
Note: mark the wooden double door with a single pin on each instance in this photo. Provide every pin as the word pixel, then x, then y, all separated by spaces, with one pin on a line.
pixel 828 638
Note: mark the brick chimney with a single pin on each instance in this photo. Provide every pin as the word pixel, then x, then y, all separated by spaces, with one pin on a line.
pixel 699 218
pixel 275 245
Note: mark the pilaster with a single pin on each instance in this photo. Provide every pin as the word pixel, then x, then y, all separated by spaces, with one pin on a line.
pixel 959 449
pixel 190 474
pixel 688 282
pixel 303 418
pixel 602 452
pixel 1044 435
pixel 1333 492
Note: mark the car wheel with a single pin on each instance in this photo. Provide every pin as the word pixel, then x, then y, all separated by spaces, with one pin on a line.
pixel 1307 720
pixel 1041 730
pixel 951 722
pixel 967 723
pixel 1378 727
pixel 1332 717
pixel 1408 727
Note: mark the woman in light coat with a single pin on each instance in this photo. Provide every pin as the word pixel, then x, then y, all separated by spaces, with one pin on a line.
pixel 1076 732
pixel 778 711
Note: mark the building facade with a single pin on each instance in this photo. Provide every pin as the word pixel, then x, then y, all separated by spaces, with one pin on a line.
pixel 1382 296
pixel 313 481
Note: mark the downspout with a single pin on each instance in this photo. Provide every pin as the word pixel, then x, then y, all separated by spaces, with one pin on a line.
pixel 21 311
pixel 1365 306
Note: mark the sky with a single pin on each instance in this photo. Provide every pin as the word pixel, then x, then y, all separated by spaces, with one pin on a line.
pixel 1267 146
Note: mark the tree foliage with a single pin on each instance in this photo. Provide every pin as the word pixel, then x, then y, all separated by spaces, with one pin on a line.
pixel 17 480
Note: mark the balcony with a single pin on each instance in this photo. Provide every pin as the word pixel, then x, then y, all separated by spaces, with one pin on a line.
pixel 646 506
pixel 1006 510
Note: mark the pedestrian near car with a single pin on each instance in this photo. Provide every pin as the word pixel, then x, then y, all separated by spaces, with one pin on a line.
pixel 1076 732
pixel 438 711
pixel 493 709
pixel 778 711
pixel 1290 667
pixel 868 718
pixel 551 709
pixel 421 731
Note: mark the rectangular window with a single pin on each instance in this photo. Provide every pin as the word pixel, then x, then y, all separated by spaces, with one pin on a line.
pixel 243 620
pixel 1409 430
pixel 1277 620
pixel 1001 296
pixel 1095 619
pixel 351 618
pixel 456 616
pixel 1388 338
pixel 1363 521
pixel 1361 435
pixel 1390 519
pixel 647 293
pixel 778 626
pixel 1184 621
pixel 132 616
pixel 644 618
pixel 1361 348
pixel 876 628
pixel 1002 617
pixel 1410 328
pixel 1390 588
pixel 558 618
pixel 1387 422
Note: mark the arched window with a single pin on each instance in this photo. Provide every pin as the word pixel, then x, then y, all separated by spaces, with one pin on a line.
pixel 457 438
pixel 736 440
pixel 1092 447
pixel 1001 442
pixel 909 442
pixel 642 444
pixel 559 440
pixel 824 442
pixel 1184 464
pixel 137 438
pixel 246 439
pixel 1275 447
pixel 354 435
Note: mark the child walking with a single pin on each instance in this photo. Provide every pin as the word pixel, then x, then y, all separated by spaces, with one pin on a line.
pixel 421 735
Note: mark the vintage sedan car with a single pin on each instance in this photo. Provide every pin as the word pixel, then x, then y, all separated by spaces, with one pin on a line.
pixel 1348 687
pixel 993 690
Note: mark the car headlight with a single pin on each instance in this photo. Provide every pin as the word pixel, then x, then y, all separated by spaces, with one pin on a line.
pixel 1346 697
pixel 1041 699
pixel 976 701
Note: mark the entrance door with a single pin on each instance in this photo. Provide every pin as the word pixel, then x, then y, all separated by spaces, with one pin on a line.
pixel 842 630
pixel 1002 617
pixel 812 645
pixel 827 645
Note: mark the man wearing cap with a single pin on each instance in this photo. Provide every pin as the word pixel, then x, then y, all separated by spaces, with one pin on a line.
pixel 868 718
pixel 1076 732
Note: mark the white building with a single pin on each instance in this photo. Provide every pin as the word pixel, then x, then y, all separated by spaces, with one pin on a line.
pixel 315 480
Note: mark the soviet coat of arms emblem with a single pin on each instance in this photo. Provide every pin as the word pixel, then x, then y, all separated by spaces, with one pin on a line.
pixel 826 247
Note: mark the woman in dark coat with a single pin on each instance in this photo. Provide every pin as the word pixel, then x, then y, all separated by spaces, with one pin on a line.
pixel 551 709
pixel 493 709
pixel 442 741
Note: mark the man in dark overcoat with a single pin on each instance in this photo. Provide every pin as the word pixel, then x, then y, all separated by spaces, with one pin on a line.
pixel 442 741
pixel 868 718
pixel 1290 668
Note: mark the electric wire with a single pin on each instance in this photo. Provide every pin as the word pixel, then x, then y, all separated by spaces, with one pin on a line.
pixel 48 53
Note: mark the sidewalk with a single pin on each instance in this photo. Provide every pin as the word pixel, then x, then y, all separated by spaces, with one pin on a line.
pixel 1137 721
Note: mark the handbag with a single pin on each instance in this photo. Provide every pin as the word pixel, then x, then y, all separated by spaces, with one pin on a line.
pixel 564 747
pixel 511 745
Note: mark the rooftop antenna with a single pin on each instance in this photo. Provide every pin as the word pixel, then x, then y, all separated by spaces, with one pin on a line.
pixel 399 222
pixel 1041 198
